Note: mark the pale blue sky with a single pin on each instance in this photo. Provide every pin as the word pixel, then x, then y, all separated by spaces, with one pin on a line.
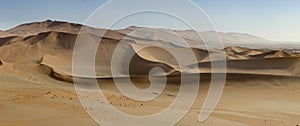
pixel 277 20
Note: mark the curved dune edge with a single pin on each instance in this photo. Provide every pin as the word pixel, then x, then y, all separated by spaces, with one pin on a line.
pixel 55 72
pixel 276 67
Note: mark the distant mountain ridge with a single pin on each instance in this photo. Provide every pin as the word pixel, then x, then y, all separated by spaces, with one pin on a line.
pixel 34 28
pixel 45 26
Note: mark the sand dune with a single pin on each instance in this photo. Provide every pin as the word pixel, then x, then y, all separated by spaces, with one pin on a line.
pixel 36 71
pixel 240 59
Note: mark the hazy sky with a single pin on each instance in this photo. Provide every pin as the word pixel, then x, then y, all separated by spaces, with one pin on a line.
pixel 277 20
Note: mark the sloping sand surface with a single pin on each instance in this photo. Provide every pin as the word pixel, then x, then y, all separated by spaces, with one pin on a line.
pixel 5 34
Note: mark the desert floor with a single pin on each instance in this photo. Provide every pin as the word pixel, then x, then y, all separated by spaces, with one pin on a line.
pixel 248 100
